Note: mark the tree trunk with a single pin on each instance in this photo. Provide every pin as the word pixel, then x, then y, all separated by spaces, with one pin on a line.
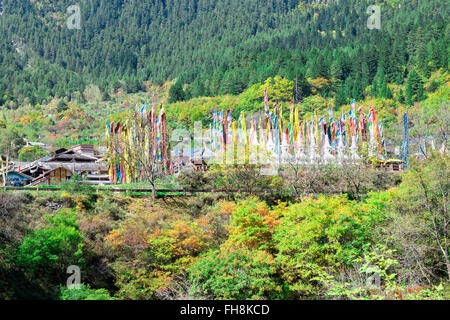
pixel 154 193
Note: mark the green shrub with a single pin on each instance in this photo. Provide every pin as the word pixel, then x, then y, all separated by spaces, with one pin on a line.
pixel 316 237
pixel 237 273
pixel 84 293
pixel 51 249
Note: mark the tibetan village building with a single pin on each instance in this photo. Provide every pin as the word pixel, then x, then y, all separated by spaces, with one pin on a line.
pixel 191 159
pixel 63 164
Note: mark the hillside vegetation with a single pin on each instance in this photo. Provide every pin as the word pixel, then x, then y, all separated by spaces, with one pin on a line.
pixel 387 241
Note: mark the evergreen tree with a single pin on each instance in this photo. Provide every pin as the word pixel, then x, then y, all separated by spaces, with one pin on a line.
pixel 336 69
pixel 348 88
pixel 414 87
pixel 105 95
pixel 399 79
pixel 388 93
pixel 364 76
pixel 176 93
pixel 374 88
pixel 340 98
pixel 357 92
pixel 409 95
pixel 382 87
pixel 401 97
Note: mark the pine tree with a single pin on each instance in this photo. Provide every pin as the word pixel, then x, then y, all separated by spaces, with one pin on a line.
pixel 340 98
pixel 374 88
pixel 409 94
pixel 176 93
pixel 348 87
pixel 357 92
pixel 105 95
pixel 399 79
pixel 382 87
pixel 336 69
pixel 414 87
pixel 388 93
pixel 421 92
pixel 401 97
pixel 364 76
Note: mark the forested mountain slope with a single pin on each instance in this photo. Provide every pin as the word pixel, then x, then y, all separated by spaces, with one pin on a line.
pixel 216 47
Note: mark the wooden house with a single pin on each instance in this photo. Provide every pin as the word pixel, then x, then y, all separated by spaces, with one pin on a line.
pixel 52 177
pixel 190 159
pixel 63 164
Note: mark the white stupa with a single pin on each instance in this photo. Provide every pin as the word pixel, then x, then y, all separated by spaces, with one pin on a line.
pixel 270 147
pixel 313 156
pixel 372 143
pixel 327 155
pixel 341 156
pixel 254 148
pixel 285 155
pixel 354 149
pixel 300 156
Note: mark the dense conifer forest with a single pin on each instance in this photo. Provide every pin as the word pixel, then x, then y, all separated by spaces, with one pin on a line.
pixel 215 47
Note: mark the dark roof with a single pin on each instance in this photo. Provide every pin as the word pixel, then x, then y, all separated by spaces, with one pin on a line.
pixel 72 157
pixel 61 150
pixel 71 166
pixel 27 165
